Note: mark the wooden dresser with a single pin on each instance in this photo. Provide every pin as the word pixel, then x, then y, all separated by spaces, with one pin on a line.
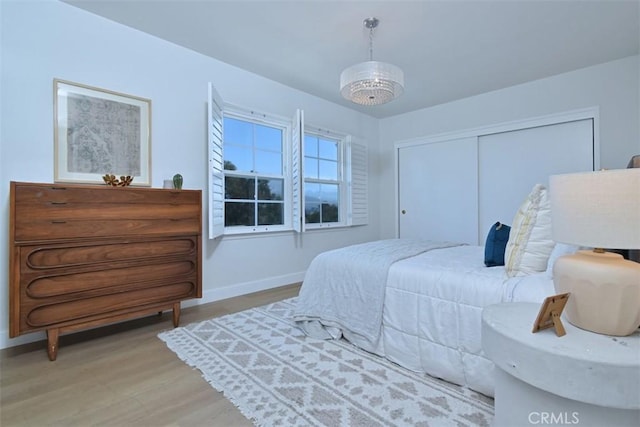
pixel 82 256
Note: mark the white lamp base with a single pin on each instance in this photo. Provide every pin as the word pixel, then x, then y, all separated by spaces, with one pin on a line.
pixel 605 291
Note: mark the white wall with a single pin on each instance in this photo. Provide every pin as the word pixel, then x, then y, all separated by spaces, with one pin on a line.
pixel 613 87
pixel 44 40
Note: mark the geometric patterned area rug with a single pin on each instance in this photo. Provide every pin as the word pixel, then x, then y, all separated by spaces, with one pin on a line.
pixel 278 376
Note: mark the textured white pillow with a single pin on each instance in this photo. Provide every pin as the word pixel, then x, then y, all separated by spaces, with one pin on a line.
pixel 530 242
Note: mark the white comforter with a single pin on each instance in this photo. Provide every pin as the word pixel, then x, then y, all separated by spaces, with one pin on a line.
pixel 345 288
pixel 431 318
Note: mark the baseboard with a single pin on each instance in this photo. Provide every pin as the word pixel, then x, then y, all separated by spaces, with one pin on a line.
pixel 208 296
pixel 6 342
pixel 245 288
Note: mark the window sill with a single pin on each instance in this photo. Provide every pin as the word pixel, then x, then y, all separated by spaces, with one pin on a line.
pixel 236 231
pixel 329 226
pixel 256 232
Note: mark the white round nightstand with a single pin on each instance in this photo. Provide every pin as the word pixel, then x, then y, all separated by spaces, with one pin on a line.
pixel 581 378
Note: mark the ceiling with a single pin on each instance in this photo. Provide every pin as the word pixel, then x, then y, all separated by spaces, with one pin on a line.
pixel 448 49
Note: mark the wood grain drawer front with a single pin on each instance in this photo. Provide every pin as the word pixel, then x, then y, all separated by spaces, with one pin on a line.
pixel 57 212
pixel 73 229
pixel 87 309
pixel 90 283
pixel 94 211
pixel 44 195
pixel 61 223
pixel 95 253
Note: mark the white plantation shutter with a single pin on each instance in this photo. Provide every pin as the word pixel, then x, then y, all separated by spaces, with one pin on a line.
pixel 357 179
pixel 216 164
pixel 297 172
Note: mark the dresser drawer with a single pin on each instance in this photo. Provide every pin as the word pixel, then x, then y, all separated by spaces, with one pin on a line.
pixel 59 313
pixel 78 284
pixel 59 212
pixel 95 254
pixel 44 195
pixel 69 228
pixel 86 211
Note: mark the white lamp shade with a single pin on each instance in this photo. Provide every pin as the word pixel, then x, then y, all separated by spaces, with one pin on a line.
pixel 372 83
pixel 597 209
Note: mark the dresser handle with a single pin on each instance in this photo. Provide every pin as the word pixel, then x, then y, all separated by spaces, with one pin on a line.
pixel 58 203
pixel 58 222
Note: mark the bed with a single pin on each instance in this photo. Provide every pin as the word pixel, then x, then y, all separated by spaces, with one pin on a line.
pixel 419 303
pixel 431 315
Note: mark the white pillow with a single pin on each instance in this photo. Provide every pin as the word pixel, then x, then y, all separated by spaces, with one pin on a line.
pixel 558 250
pixel 530 242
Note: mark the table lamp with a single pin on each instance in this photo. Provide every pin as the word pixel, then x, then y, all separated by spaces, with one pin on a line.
pixel 598 210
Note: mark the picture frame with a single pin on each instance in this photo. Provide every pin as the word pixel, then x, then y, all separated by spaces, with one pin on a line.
pixel 549 314
pixel 98 132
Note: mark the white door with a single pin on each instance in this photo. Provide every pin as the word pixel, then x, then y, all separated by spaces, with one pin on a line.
pixel 456 189
pixel 511 163
pixel 438 191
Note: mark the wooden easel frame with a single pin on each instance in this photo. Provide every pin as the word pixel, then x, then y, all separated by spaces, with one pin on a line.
pixel 549 314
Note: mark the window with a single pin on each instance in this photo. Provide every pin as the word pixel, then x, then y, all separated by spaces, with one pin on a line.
pixel 267 174
pixel 254 180
pixel 323 179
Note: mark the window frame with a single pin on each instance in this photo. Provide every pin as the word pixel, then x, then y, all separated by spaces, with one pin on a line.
pixel 354 192
pixel 284 125
pixel 342 181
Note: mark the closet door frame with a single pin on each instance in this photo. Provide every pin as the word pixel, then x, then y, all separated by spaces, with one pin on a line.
pixel 592 113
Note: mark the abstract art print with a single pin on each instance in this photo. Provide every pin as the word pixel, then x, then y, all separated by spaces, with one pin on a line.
pixel 100 132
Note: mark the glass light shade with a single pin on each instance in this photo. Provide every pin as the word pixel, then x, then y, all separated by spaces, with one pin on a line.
pixel 597 209
pixel 372 83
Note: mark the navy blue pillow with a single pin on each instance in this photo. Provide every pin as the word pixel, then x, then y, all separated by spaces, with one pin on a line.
pixel 496 244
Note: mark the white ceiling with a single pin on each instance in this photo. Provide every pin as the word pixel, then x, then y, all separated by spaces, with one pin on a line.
pixel 448 49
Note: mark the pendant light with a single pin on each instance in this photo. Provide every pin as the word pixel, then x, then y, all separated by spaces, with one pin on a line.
pixel 371 82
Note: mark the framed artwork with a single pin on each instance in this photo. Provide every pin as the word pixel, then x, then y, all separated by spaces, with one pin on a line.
pixel 99 132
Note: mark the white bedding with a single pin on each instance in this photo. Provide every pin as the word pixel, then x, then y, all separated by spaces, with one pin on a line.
pixel 345 288
pixel 432 310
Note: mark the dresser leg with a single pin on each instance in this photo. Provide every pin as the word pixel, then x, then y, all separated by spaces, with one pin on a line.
pixel 176 314
pixel 52 343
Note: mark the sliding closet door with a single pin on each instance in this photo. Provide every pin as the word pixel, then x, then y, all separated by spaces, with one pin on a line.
pixel 437 190
pixel 511 163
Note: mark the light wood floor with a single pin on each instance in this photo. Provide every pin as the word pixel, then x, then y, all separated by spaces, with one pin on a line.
pixel 119 375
